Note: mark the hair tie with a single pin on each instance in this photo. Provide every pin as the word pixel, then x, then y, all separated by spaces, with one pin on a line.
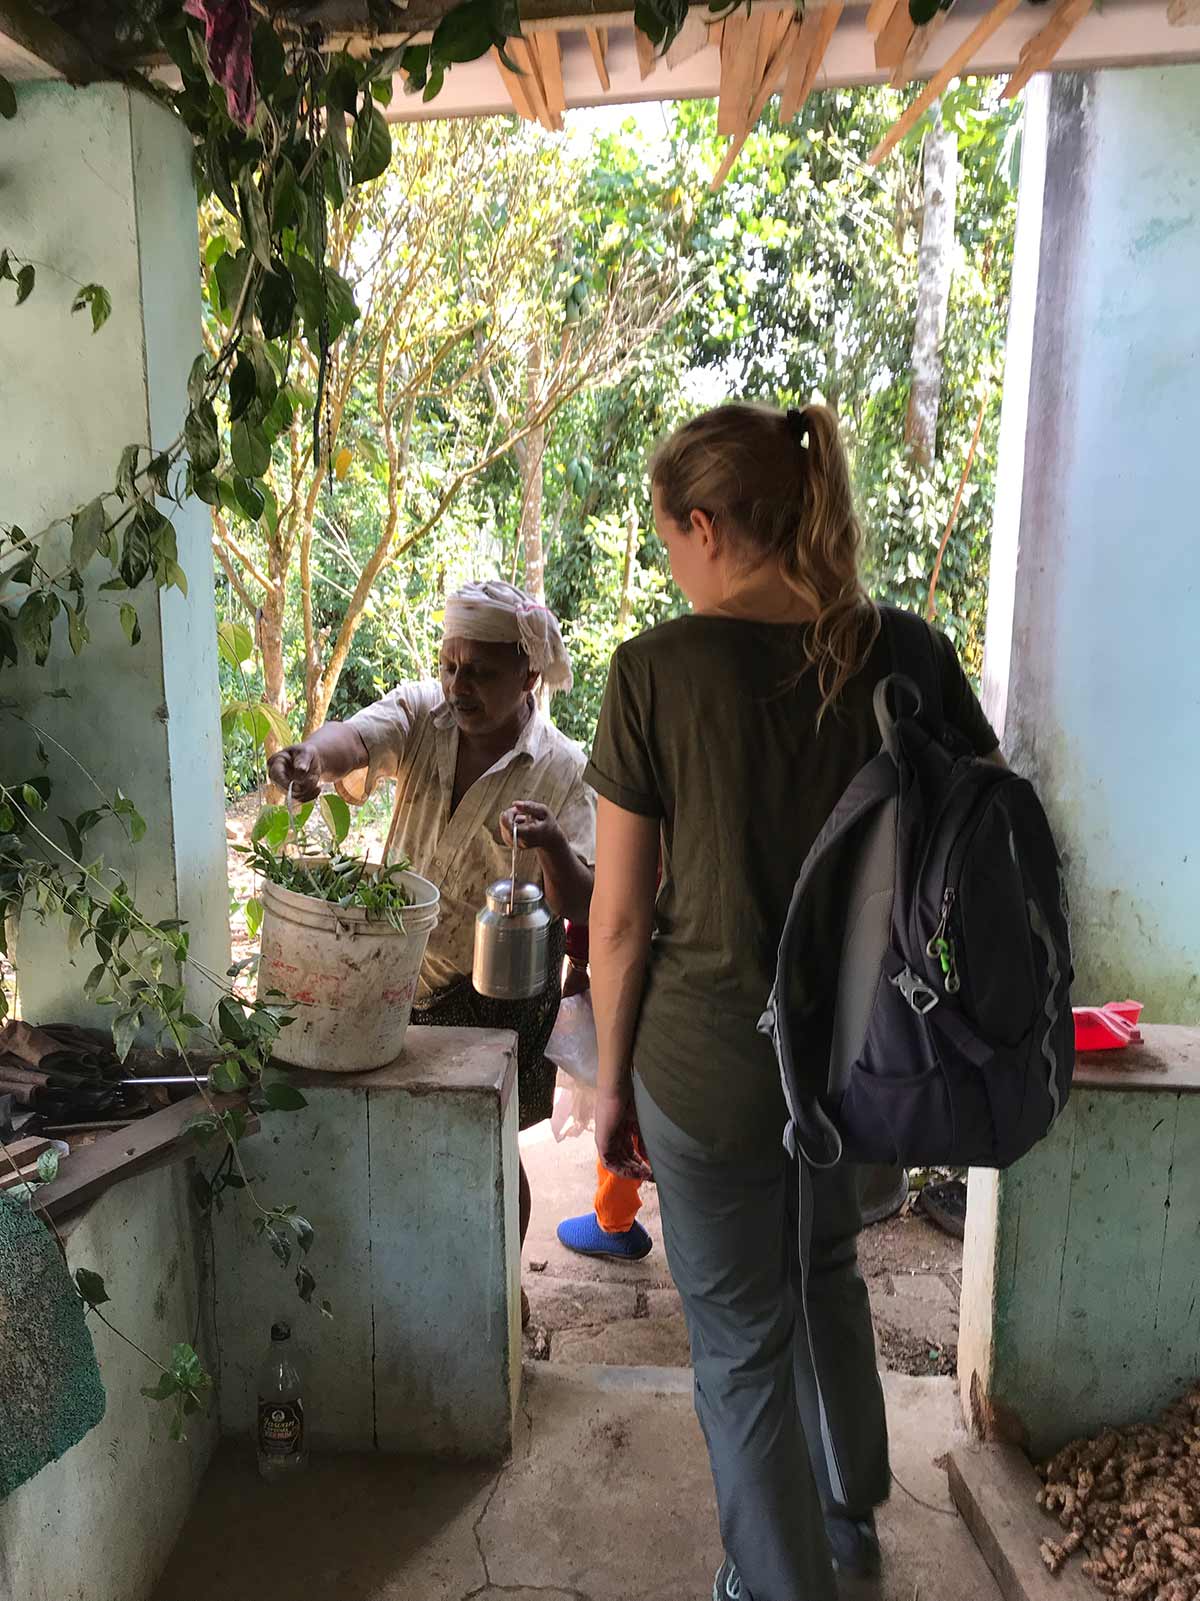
pixel 798 421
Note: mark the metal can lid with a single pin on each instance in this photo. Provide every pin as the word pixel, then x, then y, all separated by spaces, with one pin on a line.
pixel 502 895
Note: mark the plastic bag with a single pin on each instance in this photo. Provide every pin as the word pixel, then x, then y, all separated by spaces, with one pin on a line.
pixel 572 1047
pixel 574 1109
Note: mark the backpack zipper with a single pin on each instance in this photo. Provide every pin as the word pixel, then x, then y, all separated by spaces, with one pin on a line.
pixel 941 947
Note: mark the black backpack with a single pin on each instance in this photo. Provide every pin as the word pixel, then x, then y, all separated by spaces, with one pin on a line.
pixel 953 1037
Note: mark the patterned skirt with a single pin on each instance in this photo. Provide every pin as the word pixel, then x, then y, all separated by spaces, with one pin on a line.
pixel 460 1006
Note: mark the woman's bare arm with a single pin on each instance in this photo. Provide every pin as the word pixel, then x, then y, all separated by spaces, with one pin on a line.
pixel 619 930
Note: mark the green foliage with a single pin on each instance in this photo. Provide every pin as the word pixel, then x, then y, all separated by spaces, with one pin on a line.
pixel 808 265
pixel 96 299
pixel 277 285
pixel 478 234
pixel 184 1383
pixel 281 852
pixel 91 1287
pixel 800 278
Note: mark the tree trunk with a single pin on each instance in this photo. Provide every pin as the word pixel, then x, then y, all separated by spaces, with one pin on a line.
pixel 318 687
pixel 531 483
pixel 268 627
pixel 935 265
pixel 625 609
pixel 270 644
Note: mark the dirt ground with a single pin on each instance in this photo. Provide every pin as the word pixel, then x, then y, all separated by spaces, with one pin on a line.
pixel 914 1274
pixel 628 1314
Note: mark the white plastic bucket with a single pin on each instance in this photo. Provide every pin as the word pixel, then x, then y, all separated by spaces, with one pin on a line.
pixel 349 977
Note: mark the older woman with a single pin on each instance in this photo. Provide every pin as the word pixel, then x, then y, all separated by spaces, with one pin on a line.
pixel 473 757
pixel 730 735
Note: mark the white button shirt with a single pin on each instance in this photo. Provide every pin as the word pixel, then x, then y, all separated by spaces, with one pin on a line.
pixel 411 736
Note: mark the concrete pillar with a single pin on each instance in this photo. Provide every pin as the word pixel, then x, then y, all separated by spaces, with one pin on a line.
pixel 1091 668
pixel 409 1178
pixel 98 188
pixel 1093 678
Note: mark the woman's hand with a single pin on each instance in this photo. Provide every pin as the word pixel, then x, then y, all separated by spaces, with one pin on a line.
pixel 618 1140
pixel 536 825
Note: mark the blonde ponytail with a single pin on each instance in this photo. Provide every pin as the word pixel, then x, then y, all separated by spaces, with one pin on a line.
pixel 778 483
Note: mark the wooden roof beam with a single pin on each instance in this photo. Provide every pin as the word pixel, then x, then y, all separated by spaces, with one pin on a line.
pixel 739 57
pixel 894 38
pixel 597 39
pixel 918 47
pixel 523 55
pixel 518 89
pixel 49 44
pixel 646 58
pixel 807 54
pixel 549 54
pixel 953 66
pixel 785 39
pixel 1037 53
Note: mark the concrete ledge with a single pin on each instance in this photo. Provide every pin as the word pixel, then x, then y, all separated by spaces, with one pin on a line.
pixel 1167 1061
pixel 994 1487
pixel 473 1061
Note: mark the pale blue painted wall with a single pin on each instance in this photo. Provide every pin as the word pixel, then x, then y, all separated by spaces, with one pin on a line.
pixel 98 185
pixel 1093 662
pixel 100 1523
pixel 1080 1282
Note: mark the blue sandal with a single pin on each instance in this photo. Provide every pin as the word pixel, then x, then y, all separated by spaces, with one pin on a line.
pixel 585 1237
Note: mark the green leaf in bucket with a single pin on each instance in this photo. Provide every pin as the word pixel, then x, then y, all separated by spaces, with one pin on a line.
pixel 271 826
pixel 336 815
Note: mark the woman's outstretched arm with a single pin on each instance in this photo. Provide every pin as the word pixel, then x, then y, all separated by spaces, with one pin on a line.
pixel 620 927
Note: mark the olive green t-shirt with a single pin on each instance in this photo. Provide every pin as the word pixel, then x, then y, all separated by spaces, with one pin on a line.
pixel 706 726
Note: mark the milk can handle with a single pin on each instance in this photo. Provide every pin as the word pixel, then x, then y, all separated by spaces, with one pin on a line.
pixel 512 878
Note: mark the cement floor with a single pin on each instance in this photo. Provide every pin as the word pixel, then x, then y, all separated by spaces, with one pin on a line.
pixel 607 1498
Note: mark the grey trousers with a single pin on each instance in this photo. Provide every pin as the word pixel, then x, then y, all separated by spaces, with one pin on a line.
pixel 781 1448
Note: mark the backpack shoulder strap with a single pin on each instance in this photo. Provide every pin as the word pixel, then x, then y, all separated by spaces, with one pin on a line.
pixel 811 1130
pixel 910 641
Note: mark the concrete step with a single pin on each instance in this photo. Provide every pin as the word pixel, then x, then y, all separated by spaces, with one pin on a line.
pixel 589 1321
pixel 604 1378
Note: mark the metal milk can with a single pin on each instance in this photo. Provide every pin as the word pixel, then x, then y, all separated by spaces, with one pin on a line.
pixel 512 941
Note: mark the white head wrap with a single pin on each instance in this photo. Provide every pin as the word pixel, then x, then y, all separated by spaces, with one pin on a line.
pixel 496 613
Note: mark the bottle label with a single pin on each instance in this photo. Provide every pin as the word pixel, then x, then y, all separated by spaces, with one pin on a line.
pixel 280 1428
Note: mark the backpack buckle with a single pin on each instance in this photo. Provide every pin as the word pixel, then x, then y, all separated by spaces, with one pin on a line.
pixel 919 995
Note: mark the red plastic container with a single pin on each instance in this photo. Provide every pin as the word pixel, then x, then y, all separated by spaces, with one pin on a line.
pixel 1092 1034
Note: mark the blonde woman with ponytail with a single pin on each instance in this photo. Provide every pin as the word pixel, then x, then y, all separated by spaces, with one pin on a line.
pixel 728 736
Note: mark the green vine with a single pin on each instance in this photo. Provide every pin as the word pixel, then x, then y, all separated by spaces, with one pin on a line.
pixel 317 132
